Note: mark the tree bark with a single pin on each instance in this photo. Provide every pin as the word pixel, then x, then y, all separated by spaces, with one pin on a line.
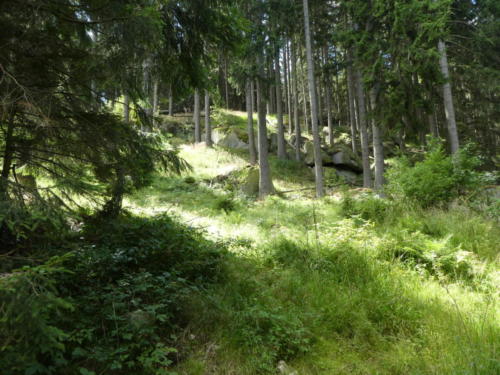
pixel 156 85
pixel 295 98
pixel 170 101
pixel 448 99
pixel 208 124
pixel 265 182
pixel 8 156
pixel 126 108
pixel 363 130
pixel 352 105
pixel 279 108
pixel 251 136
pixel 378 146
pixel 318 166
pixel 197 117
pixel 288 89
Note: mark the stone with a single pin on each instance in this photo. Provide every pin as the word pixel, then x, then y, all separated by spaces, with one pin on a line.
pixel 293 139
pixel 350 177
pixel 250 184
pixel 231 140
pixel 285 369
pixel 309 154
pixel 345 158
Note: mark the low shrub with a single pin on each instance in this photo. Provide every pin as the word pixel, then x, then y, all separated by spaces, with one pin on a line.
pixel 114 305
pixel 436 180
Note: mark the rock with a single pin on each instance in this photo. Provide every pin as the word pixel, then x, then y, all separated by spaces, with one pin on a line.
pixel 273 142
pixel 343 157
pixel 293 139
pixel 309 154
pixel 250 184
pixel 285 369
pixel 350 177
pixel 231 140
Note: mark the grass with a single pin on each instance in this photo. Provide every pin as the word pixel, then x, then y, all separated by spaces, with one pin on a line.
pixel 325 287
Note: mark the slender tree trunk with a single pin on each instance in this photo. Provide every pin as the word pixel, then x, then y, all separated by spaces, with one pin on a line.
pixel 448 99
pixel 329 115
pixel 363 130
pixel 126 108
pixel 8 156
pixel 304 96
pixel 226 83
pixel 197 117
pixel 265 181
pixel 170 101
pixel 318 166
pixel 295 95
pixel 288 89
pixel 208 124
pixel 328 91
pixel 378 146
pixel 251 136
pixel 279 108
pixel 352 105
pixel 156 85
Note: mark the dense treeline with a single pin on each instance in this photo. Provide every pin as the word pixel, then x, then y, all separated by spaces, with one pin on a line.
pixel 389 71
pixel 402 94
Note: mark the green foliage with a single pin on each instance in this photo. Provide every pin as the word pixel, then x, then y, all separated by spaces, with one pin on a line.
pixel 117 310
pixel 226 204
pixel 437 179
pixel 369 207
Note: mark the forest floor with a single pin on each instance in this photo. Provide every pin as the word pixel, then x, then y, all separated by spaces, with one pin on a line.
pixel 350 284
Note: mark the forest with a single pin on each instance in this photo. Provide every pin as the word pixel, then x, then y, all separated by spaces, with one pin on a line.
pixel 229 187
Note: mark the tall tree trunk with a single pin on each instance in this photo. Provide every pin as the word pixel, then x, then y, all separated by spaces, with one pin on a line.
pixel 448 99
pixel 363 130
pixel 8 156
pixel 351 93
pixel 304 96
pixel 328 90
pixel 378 146
pixel 288 89
pixel 329 118
pixel 279 108
pixel 295 95
pixel 226 82
pixel 170 100
pixel 318 165
pixel 208 124
pixel 265 182
pixel 126 108
pixel 156 85
pixel 251 136
pixel 197 117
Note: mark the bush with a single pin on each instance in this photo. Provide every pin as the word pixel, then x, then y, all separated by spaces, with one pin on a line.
pixel 437 179
pixel 113 306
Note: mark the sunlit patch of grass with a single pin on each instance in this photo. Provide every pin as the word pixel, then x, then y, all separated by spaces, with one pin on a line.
pixel 323 285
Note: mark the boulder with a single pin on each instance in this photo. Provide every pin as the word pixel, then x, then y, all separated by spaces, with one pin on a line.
pixel 308 149
pixel 344 158
pixel 273 142
pixel 350 177
pixel 231 140
pixel 293 139
pixel 250 183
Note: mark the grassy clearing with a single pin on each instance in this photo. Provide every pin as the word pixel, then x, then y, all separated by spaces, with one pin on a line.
pixel 352 285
